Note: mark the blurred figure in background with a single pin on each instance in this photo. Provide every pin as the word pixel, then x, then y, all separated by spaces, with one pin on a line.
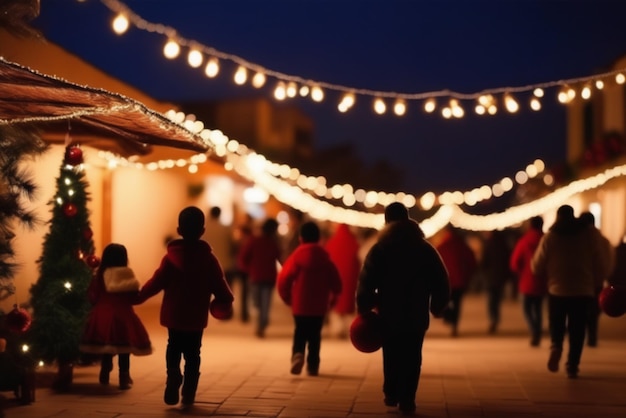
pixel 588 219
pixel 618 274
pixel 532 288
pixel 259 258
pixel 219 237
pixel 461 264
pixel 237 273
pixel 494 266
pixel 570 258
pixel 343 248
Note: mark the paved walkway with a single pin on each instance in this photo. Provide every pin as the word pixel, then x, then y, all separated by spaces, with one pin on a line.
pixel 473 375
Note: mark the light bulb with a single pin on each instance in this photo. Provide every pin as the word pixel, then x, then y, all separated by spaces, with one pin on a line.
pixel 171 49
pixel 120 24
pixel 194 58
pixel 212 67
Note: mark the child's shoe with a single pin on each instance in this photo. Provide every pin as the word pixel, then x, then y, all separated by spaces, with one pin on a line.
pixel 297 362
pixel 125 381
pixel 172 387
pixel 190 385
pixel 554 359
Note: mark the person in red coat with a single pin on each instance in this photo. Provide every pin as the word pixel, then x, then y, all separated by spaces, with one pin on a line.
pixel 113 327
pixel 259 258
pixel 309 282
pixel 343 248
pixel 189 276
pixel 461 264
pixel 532 288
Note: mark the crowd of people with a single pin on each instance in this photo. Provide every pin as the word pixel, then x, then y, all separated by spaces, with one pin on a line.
pixel 329 274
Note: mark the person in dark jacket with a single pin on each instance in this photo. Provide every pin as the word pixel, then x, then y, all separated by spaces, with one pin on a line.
pixel 494 266
pixel 403 278
pixel 310 283
pixel 189 275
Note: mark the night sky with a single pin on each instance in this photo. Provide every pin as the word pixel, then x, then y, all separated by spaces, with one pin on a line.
pixel 387 45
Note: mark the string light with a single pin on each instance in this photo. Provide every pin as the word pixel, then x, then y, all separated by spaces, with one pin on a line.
pixel 316 87
pixel 289 186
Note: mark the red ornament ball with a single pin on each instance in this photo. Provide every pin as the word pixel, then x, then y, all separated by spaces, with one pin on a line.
pixel 366 332
pixel 18 320
pixel 73 155
pixel 70 209
pixel 221 310
pixel 612 300
pixel 87 233
pixel 92 261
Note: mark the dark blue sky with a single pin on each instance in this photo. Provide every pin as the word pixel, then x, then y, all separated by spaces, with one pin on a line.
pixel 390 45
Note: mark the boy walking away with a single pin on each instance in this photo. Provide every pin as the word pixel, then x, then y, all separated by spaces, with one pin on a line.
pixel 404 278
pixel 189 276
pixel 308 282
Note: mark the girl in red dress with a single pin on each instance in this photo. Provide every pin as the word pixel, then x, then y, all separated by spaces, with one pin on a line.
pixel 113 327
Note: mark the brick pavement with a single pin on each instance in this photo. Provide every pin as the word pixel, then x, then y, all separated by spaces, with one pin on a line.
pixel 474 375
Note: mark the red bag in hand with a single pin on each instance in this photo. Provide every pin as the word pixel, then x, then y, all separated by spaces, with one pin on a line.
pixel 612 300
pixel 221 310
pixel 366 332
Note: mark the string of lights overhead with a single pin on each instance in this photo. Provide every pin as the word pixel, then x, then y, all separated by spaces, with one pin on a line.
pixel 450 104
pixel 291 187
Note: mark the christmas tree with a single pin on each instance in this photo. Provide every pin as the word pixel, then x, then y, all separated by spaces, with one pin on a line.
pixel 59 297
pixel 16 145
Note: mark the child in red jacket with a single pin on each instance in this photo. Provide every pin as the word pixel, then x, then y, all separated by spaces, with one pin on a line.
pixel 189 275
pixel 308 282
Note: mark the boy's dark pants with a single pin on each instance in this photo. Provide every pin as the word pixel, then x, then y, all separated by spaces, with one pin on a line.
pixel 402 364
pixel 308 331
pixel 186 344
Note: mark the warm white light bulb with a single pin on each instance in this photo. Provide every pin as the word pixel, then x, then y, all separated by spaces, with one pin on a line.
pixel 212 67
pixel 347 101
pixel 258 80
pixel 379 106
pixel 399 108
pixel 120 24
pixel 535 104
pixel 195 58
pixel 280 92
pixel 620 78
pixel 429 105
pixel 511 104
pixel 171 49
pixel 241 75
pixel 585 93
pixel 317 94
pixel 292 89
